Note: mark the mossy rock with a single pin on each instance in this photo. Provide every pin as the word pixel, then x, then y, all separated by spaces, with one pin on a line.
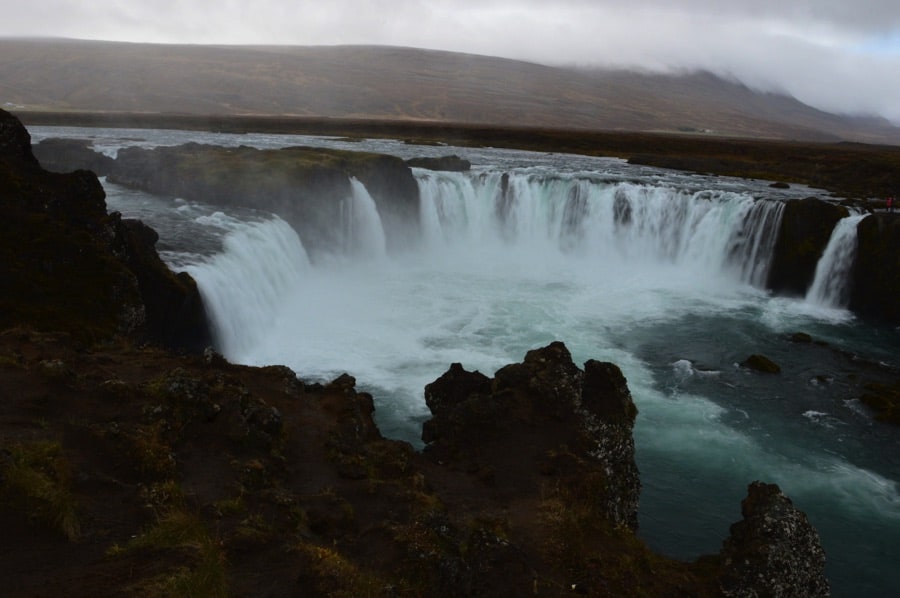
pixel 305 186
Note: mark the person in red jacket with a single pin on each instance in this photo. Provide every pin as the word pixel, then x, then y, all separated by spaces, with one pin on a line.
pixel 890 204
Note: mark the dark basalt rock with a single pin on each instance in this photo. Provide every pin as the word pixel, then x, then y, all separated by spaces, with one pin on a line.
pixel 15 141
pixel 65 155
pixel 446 163
pixel 761 363
pixel 773 550
pixel 175 315
pixel 575 424
pixel 806 227
pixel 876 274
pixel 65 264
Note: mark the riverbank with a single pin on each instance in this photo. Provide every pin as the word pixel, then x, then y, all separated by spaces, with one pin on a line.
pixel 853 170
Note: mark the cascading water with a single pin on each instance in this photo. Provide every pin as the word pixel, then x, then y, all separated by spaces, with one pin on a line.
pixel 657 271
pixel 703 231
pixel 259 264
pixel 831 284
pixel 362 231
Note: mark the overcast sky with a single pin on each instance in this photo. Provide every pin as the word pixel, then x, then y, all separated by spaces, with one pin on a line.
pixel 838 55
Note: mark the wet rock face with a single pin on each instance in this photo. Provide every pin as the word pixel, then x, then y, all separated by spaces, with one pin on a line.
pixel 539 419
pixel 876 277
pixel 806 227
pixel 774 550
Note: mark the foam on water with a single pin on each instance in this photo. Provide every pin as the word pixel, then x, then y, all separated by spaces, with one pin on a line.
pixel 244 285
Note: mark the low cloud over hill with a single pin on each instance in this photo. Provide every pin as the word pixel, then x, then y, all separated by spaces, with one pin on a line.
pixel 400 84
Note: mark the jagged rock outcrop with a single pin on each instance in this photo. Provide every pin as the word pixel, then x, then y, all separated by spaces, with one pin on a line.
pixel 175 314
pixel 308 187
pixel 570 425
pixel 876 273
pixel 773 550
pixel 806 227
pixel 65 264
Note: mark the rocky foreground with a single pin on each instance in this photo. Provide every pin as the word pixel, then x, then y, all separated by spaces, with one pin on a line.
pixel 132 463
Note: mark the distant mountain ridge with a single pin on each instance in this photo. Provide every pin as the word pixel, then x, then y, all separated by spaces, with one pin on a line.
pixel 392 83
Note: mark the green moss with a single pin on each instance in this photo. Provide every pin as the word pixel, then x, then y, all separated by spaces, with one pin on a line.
pixel 337 576
pixel 205 571
pixel 9 361
pixel 39 483
pixel 152 453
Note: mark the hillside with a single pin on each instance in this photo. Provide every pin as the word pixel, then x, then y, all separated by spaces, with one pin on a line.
pixel 389 83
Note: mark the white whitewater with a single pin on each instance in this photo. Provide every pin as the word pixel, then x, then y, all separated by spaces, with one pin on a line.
pixel 362 232
pixel 708 231
pixel 242 287
pixel 831 284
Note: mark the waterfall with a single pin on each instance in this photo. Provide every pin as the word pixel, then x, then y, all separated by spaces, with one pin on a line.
pixel 243 285
pixel 719 231
pixel 831 284
pixel 361 229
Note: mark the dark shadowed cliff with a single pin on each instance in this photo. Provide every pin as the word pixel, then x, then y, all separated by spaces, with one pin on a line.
pixel 68 265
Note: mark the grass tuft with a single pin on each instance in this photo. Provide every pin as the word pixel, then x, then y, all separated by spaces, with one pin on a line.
pixel 38 481
pixel 181 530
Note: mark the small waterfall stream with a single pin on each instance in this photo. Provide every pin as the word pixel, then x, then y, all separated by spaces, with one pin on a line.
pixel 831 284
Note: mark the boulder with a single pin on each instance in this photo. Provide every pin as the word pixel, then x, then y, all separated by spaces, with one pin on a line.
pixel 876 273
pixel 806 227
pixel 773 550
pixel 761 363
